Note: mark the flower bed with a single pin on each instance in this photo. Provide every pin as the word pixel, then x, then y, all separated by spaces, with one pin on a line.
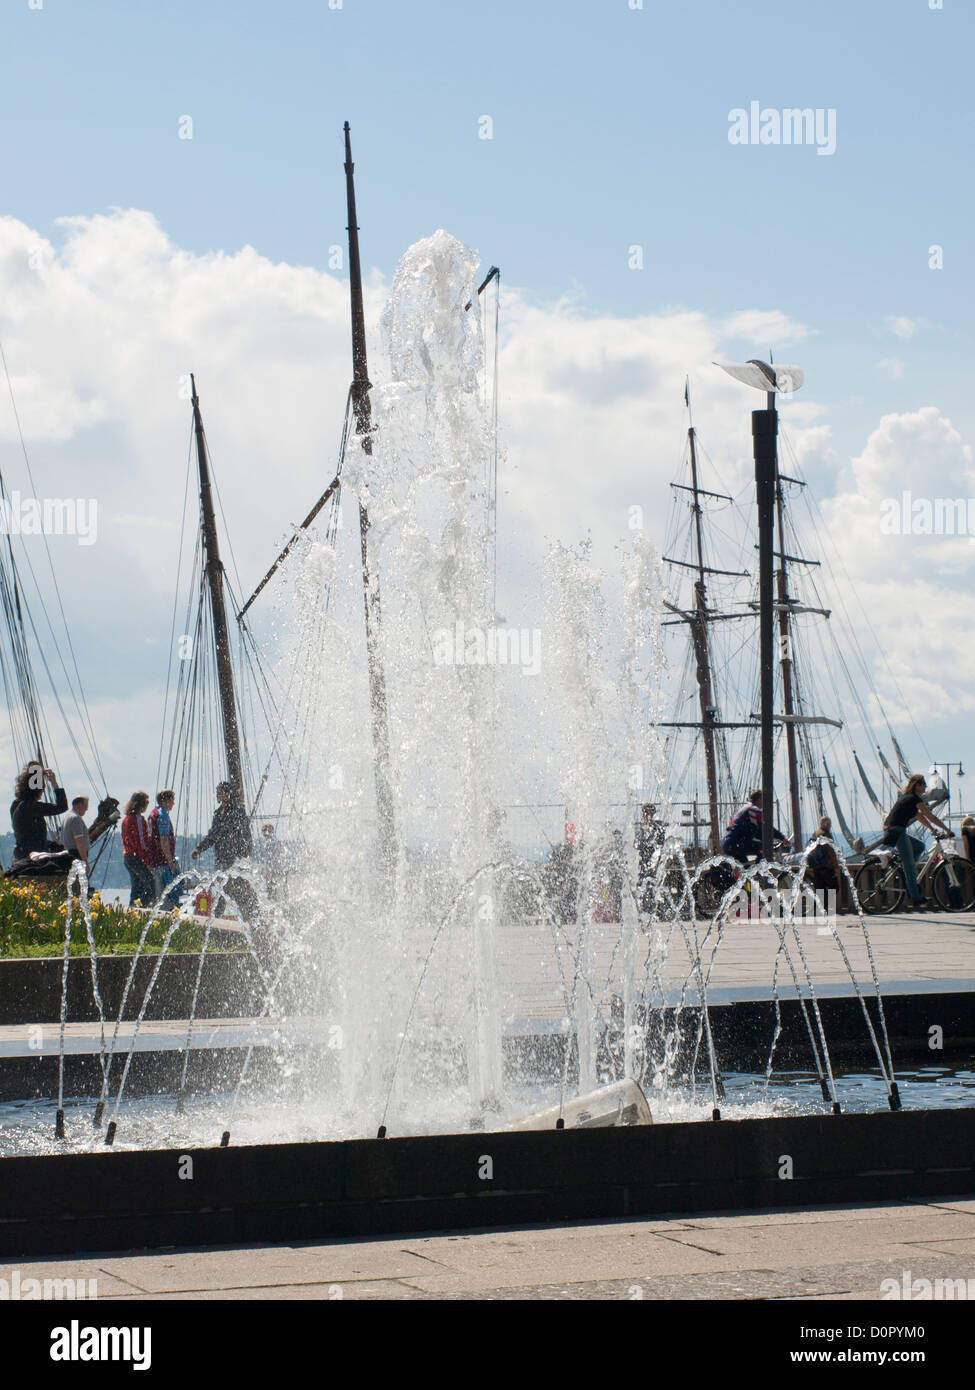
pixel 33 916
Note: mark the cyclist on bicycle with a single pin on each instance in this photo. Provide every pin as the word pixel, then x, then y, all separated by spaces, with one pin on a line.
pixel 744 834
pixel 908 807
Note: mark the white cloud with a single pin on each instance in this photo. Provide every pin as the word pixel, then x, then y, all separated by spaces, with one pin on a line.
pixel 101 330
pixel 901 326
pixel 915 589
pixel 892 367
pixel 764 326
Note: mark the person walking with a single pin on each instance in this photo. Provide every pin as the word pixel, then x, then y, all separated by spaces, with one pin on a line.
pixel 162 843
pixel 276 861
pixel 230 838
pixel 74 832
pixel 822 864
pixel 908 807
pixel 135 850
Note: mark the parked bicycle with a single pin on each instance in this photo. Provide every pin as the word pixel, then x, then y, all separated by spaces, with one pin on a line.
pixel 946 877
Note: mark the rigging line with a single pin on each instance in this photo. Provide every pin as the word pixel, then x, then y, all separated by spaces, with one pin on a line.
pixel 831 633
pixel 35 733
pixel 27 698
pixel 813 504
pixel 176 587
pixel 251 654
pixel 228 541
pixel 275 728
pixel 193 627
pixel 68 682
pixel 57 699
pixel 185 710
pixel 250 661
pixel 311 639
pixel 11 595
pixel 83 708
pixel 333 492
pixel 251 688
pixel 299 665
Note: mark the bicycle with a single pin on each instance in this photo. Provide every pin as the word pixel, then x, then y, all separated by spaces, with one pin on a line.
pixel 711 887
pixel 947 878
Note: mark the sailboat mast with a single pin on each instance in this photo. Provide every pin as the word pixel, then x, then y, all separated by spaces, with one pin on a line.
pixel 213 571
pixel 362 411
pixel 699 630
pixel 785 658
pixel 765 424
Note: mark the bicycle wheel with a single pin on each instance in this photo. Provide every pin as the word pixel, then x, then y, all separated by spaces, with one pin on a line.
pixel 960 895
pixel 879 889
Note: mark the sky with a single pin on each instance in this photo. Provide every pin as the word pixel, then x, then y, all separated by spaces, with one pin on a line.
pixel 173 198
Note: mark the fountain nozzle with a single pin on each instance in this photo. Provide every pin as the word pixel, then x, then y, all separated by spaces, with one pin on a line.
pixel 110 1133
pixel 59 1125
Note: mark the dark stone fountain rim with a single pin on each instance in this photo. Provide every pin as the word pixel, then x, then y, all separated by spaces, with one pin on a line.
pixel 64 1204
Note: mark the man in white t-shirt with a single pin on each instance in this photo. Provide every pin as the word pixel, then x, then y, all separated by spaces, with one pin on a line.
pixel 74 832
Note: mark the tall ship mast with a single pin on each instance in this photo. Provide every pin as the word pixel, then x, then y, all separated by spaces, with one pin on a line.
pixel 713 698
pixel 825 706
pixel 362 411
pixel 213 573
pixel 698 618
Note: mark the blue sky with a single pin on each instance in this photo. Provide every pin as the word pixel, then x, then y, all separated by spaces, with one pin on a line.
pixel 610 130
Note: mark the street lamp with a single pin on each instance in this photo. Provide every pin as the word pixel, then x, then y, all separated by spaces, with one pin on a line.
pixel 948 767
pixel 763 376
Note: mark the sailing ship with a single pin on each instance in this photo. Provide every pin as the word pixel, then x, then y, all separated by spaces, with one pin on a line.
pixel 224 711
pixel 825 702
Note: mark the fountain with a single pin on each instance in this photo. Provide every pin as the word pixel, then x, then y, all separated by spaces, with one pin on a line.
pixel 382 998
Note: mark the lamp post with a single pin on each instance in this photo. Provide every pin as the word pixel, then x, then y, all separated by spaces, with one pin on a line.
pixel 961 772
pixel 765 424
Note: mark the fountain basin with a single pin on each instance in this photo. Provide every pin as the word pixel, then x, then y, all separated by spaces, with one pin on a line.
pixel 313 1191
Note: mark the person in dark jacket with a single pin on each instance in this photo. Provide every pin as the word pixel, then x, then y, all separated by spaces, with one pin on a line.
pixel 743 837
pixel 28 815
pixel 822 864
pixel 229 837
